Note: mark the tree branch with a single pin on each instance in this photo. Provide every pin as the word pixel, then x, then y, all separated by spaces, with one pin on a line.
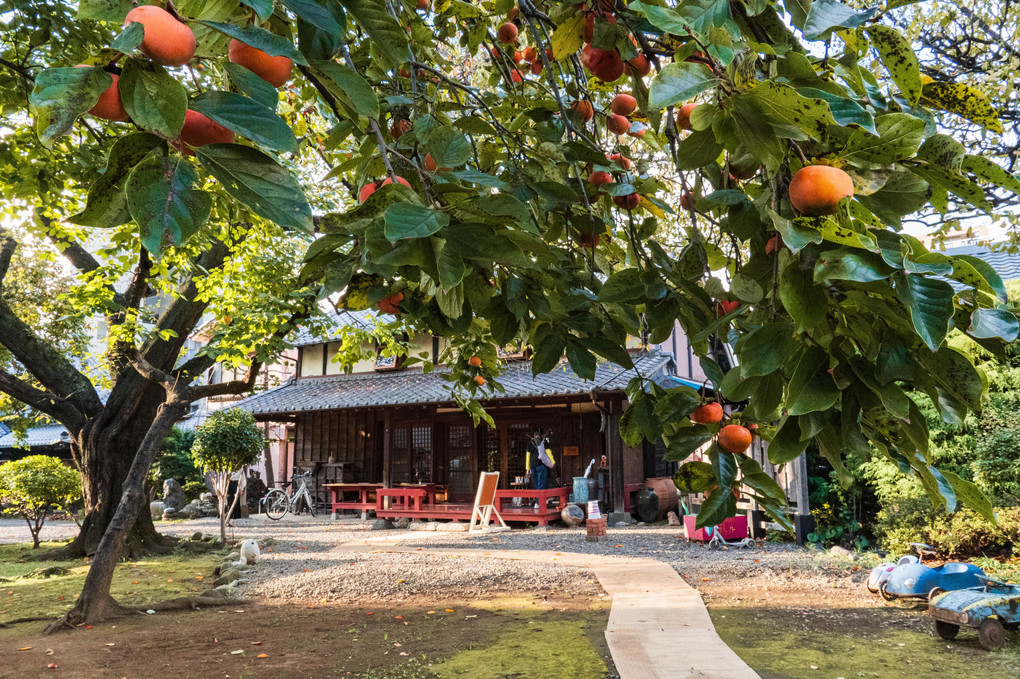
pixel 57 408
pixel 233 387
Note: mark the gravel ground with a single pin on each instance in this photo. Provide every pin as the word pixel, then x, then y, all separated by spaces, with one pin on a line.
pixel 309 562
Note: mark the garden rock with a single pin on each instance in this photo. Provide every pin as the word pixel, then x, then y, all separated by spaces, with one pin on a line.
pixel 170 513
pixel 156 509
pixel 673 520
pixel 421 525
pixel 842 551
pixel 228 576
pixel 196 536
pixel 402 523
pixel 451 527
pixel 173 495
pixel 381 524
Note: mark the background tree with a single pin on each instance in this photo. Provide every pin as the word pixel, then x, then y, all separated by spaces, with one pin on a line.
pixel 35 485
pixel 492 203
pixel 227 443
pixel 175 462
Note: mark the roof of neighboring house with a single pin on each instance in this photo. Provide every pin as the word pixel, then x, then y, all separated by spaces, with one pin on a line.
pixel 358 319
pixel 43 435
pixel 1005 264
pixel 362 390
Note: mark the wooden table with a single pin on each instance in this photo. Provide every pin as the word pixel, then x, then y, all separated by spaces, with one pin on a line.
pixel 364 490
pixel 541 496
pixel 410 496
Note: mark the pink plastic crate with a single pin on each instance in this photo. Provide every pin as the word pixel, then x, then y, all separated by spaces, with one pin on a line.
pixel 733 528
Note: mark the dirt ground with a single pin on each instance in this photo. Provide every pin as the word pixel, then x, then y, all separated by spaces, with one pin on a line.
pixel 490 638
pixel 796 625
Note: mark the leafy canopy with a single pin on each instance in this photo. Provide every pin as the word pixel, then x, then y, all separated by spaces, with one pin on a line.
pixel 31 485
pixel 228 441
pixel 508 239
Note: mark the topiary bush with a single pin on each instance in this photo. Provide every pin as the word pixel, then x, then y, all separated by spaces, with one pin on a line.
pixel 226 443
pixel 32 486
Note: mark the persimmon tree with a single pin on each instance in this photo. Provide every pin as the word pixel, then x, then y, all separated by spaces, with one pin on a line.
pixel 471 168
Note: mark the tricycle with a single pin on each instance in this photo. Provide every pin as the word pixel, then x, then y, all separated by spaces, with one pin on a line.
pixel 921 581
pixel 990 608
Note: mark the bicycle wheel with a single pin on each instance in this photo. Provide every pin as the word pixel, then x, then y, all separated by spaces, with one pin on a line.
pixel 311 504
pixel 276 504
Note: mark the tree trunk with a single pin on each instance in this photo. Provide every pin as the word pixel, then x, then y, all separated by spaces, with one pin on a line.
pixel 95 602
pixel 104 452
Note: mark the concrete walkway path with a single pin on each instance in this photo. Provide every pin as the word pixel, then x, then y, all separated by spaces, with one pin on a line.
pixel 658 627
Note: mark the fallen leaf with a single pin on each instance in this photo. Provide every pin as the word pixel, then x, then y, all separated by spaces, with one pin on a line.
pixel 262 655
pixel 370 613
pixel 52 666
pixel 110 644
pixel 25 648
pixel 169 579
pixel 429 613
pixel 237 652
pixel 398 617
pixel 449 610
pixel 399 581
pixel 706 579
pixel 136 582
pixel 49 651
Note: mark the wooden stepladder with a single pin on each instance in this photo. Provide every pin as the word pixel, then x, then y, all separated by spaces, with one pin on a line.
pixel 485 503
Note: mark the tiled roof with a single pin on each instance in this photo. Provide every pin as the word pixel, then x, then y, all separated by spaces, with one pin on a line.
pixel 1005 264
pixel 364 390
pixel 358 319
pixel 43 435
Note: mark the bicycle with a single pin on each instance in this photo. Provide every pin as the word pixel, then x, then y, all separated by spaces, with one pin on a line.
pixel 278 501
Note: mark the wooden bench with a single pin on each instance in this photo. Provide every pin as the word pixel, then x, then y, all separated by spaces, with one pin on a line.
pixel 405 498
pixel 364 490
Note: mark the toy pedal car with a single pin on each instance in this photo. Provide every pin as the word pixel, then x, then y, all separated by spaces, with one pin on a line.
pixel 990 608
pixel 880 573
pixel 920 581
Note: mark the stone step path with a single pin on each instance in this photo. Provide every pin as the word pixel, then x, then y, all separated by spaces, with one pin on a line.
pixel 658 627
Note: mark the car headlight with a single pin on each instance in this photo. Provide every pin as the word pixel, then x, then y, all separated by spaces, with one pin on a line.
pixel 910 582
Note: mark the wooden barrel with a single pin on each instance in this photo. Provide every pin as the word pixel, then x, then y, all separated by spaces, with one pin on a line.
pixel 666 492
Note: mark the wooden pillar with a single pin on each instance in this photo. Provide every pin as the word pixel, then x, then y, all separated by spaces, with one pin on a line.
pixel 386 446
pixel 504 455
pixel 614 453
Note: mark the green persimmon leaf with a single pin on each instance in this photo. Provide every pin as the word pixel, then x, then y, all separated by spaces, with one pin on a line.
pixel 971 496
pixel 812 388
pixel 248 118
pixel 405 220
pixel 352 87
pixel 162 200
pixel 850 265
pixel 899 136
pixel 845 111
pixel 449 147
pixel 61 95
pixel 783 103
pixel 154 99
pixel 994 323
pixel 252 85
pixel 677 83
pixel 272 44
pixel 786 445
pixel 826 15
pixel 963 100
pixel 802 298
pixel 764 349
pixel 697 150
pixel 930 303
pixel 899 59
pixel 694 477
pixel 107 204
pixel 387 35
pixel 718 506
pixel 259 182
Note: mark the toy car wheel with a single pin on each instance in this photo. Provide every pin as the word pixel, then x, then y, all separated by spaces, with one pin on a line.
pixel 992 634
pixel 935 591
pixel 749 543
pixel 946 630
pixel 885 592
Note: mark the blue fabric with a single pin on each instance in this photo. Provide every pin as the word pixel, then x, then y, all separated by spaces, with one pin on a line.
pixel 541 474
